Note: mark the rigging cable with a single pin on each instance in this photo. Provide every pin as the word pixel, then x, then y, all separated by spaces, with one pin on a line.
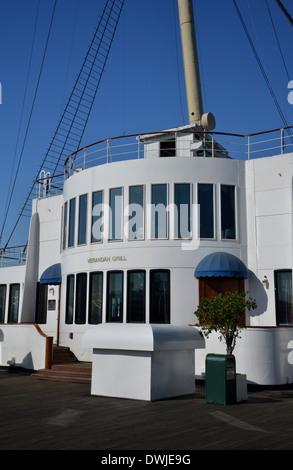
pixel 285 11
pixel 262 68
pixel 276 36
pixel 20 121
pixel 31 112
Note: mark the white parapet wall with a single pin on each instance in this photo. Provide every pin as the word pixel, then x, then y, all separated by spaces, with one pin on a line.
pixel 24 345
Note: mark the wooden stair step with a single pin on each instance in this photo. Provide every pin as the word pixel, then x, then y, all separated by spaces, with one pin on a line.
pixel 65 367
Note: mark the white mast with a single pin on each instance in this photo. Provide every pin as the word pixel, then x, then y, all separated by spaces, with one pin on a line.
pixel 191 68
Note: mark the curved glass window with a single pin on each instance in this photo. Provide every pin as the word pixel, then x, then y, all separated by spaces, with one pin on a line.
pixel 116 214
pixel 136 213
pixel 159 215
pixel 96 298
pixel 71 226
pixel 114 296
pixel 160 296
pixel 69 299
pixel 81 296
pixel 82 220
pixel 97 217
pixel 136 296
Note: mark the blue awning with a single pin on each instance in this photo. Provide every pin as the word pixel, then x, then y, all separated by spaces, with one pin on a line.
pixel 51 275
pixel 221 264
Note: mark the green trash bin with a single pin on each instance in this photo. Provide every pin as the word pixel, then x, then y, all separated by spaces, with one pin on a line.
pixel 220 381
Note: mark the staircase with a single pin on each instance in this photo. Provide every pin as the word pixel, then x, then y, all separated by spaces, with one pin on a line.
pixel 65 368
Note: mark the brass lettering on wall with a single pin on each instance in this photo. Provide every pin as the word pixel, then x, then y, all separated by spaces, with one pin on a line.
pixel 107 259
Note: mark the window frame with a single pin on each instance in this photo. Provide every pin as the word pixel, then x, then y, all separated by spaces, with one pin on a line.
pixel 143 310
pixel 109 318
pixel 82 218
pixel 154 229
pixel 222 212
pixel 152 302
pixel 213 211
pixel 90 313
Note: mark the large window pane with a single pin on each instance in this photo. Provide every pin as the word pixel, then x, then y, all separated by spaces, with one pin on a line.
pixel 82 220
pixel 71 223
pixel 42 299
pixel 136 212
pixel 159 216
pixel 182 210
pixel 136 296
pixel 13 303
pixel 65 225
pixel 283 293
pixel 97 217
pixel 96 298
pixel 80 302
pixel 116 214
pixel 2 302
pixel 160 296
pixel 228 225
pixel 115 296
pixel 205 199
pixel 69 299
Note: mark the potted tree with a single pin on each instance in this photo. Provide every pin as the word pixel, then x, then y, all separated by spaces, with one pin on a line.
pixel 223 314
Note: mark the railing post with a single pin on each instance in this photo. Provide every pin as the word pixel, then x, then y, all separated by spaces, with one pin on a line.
pixel 282 141
pixel 248 147
pixel 138 148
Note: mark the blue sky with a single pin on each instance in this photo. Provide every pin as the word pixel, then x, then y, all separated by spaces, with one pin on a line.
pixel 142 89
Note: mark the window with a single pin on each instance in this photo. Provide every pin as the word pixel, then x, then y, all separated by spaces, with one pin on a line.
pixel 114 296
pixel 136 213
pixel 80 300
pixel 42 299
pixel 96 298
pixel 182 210
pixel 2 302
pixel 97 217
pixel 136 296
pixel 228 225
pixel 205 199
pixel 159 216
pixel 168 148
pixel 65 225
pixel 116 214
pixel 71 223
pixel 69 299
pixel 283 297
pixel 82 220
pixel 13 303
pixel 159 296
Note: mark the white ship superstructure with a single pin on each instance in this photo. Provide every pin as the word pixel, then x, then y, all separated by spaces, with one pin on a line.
pixel 141 227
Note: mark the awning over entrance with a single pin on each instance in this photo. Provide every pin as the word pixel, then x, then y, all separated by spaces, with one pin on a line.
pixel 51 275
pixel 221 264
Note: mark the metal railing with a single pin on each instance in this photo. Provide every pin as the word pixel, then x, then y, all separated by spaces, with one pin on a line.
pixel 134 146
pixel 212 144
pixel 13 256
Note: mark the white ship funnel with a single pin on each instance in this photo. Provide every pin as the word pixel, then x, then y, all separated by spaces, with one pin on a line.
pixel 191 68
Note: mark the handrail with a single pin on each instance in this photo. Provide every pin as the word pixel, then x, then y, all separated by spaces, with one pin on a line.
pixel 186 130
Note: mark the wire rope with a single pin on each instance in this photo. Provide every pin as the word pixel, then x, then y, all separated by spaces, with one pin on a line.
pixel 278 42
pixel 31 112
pixel 261 67
pixel 21 118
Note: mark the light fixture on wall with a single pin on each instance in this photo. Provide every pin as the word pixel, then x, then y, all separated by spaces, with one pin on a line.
pixel 265 282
